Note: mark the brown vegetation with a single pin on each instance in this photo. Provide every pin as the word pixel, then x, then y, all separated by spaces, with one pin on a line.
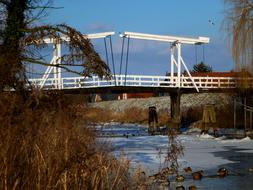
pixel 130 115
pixel 239 27
pixel 223 114
pixel 138 115
pixel 43 145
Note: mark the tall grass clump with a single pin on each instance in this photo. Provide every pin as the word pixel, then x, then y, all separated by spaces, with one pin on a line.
pixel 44 146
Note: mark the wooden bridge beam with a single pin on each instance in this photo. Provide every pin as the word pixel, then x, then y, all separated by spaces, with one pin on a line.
pixel 175 108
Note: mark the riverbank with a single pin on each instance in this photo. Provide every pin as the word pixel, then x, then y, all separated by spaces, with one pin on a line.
pixel 136 110
pixel 163 103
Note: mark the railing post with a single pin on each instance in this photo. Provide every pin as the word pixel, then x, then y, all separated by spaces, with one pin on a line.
pixel 117 80
pixel 245 114
pixel 98 81
pixel 79 82
pixel 178 65
pixel 94 81
pixel 62 83
pixel 234 113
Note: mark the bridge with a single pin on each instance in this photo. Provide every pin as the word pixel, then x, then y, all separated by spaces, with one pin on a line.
pixel 177 83
pixel 165 83
pixel 125 83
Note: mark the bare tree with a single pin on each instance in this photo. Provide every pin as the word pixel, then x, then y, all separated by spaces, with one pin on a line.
pixel 175 150
pixel 21 39
pixel 239 26
pixel 41 146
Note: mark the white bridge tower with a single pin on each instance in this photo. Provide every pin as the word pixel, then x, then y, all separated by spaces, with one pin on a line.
pixel 56 60
pixel 176 46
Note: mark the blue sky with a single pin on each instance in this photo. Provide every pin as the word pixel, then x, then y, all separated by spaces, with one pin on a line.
pixel 171 17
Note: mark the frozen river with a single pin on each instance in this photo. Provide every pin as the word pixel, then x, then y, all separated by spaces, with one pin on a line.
pixel 202 152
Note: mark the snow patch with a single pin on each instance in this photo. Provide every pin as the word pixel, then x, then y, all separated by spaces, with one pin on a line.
pixel 192 130
pixel 246 139
pixel 205 136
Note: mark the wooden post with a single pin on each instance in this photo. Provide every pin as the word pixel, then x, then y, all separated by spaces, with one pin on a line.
pixel 250 120
pixel 175 107
pixel 245 114
pixel 209 118
pixel 234 113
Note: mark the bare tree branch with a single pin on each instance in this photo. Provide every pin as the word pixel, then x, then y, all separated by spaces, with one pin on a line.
pixel 239 26
pixel 34 61
pixel 80 48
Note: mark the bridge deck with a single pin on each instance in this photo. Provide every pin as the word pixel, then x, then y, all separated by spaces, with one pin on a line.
pixel 136 83
pixel 137 89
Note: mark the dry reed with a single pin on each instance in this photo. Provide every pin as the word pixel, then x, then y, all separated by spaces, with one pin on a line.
pixel 43 145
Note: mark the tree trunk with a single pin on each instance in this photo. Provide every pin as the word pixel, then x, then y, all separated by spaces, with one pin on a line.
pixel 11 67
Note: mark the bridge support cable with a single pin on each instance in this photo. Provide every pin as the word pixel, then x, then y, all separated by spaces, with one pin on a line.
pixel 203 53
pixel 122 54
pixel 196 54
pixel 112 56
pixel 106 52
pixel 127 56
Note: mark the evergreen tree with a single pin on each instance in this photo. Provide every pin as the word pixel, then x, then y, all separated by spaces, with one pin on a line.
pixel 201 68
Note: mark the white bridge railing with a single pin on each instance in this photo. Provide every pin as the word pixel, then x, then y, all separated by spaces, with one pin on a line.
pixel 136 81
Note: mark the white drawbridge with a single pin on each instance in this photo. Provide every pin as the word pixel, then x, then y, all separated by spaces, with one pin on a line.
pixel 175 80
pixel 176 44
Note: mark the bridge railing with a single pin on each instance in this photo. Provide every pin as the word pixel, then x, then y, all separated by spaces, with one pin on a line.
pixel 138 80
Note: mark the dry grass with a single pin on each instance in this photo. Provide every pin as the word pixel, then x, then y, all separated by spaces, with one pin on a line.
pixel 131 115
pixel 44 146
pixel 224 116
pixel 137 115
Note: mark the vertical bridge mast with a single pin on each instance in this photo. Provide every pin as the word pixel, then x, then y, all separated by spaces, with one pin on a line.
pixel 176 44
pixel 56 60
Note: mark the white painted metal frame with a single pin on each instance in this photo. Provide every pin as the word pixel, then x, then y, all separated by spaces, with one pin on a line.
pixel 140 81
pixel 56 60
pixel 176 45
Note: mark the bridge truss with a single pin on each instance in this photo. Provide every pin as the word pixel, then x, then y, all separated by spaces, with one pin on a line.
pixel 175 80
pixel 176 47
pixel 56 60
